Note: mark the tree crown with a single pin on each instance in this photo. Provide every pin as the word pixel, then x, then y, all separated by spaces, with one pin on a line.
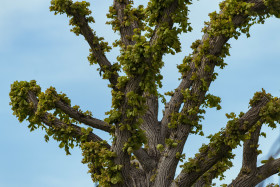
pixel 144 147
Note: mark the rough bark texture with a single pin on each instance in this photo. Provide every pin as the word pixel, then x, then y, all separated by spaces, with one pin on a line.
pixel 261 173
pixel 154 163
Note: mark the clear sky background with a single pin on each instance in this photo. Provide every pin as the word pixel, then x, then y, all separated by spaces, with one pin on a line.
pixel 35 44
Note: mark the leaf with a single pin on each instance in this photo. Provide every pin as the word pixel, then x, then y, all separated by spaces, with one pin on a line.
pixel 115 179
pixel 61 145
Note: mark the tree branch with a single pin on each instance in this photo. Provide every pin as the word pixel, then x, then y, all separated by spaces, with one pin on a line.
pixel 162 43
pixel 133 84
pixel 151 126
pixel 80 19
pixel 55 122
pixel 250 154
pixel 222 145
pixel 144 159
pixel 165 18
pixel 206 180
pixel 125 31
pixel 96 48
pixel 198 69
pixel 261 173
pixel 215 171
pixel 198 73
pixel 79 116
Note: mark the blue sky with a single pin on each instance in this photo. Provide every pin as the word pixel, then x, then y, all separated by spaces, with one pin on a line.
pixel 35 44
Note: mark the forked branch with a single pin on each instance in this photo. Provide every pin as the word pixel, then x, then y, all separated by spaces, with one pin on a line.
pixel 220 148
pixel 198 68
pixel 271 167
pixel 249 164
pixel 54 122
pixel 197 75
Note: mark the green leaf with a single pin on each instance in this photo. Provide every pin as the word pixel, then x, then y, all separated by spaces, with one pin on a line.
pixel 61 145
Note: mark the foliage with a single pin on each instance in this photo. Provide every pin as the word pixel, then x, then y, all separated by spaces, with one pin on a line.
pixel 148 33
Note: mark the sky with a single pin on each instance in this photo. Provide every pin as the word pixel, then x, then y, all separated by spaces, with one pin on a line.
pixel 35 44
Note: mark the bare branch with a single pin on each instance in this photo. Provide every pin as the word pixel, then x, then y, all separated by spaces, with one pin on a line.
pixel 214 152
pixel 59 124
pixel 86 119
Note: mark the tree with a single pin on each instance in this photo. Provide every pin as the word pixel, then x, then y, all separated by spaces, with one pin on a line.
pixel 145 151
